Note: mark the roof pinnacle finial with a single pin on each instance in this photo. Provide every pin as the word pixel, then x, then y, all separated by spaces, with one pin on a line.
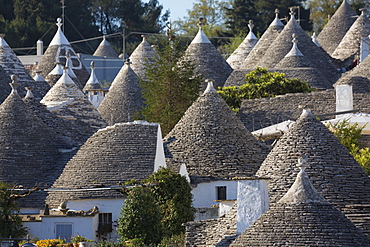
pixel 363 11
pixel 201 22
pixel 29 94
pixel 128 62
pixel 210 88
pixel 14 84
pixel 302 163
pixel 277 13
pixel 144 37
pixel 59 22
pixel 294 40
pixel 292 12
pixel 2 35
pixel 250 25
pixel 92 65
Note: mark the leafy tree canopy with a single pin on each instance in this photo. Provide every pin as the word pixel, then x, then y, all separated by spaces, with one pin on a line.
pixel 169 87
pixel 260 84
pixel 10 221
pixel 156 213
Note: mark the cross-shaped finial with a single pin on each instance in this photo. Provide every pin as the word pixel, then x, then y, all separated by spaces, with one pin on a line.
pixel 59 22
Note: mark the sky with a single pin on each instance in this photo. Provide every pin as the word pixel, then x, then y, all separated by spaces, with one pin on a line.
pixel 177 7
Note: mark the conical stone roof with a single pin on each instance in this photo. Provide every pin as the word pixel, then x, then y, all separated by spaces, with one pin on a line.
pixel 351 42
pixel 302 218
pixel 112 155
pixel 105 49
pixel 124 98
pixel 333 170
pixel 143 54
pixel 359 77
pixel 295 65
pixel 93 82
pixel 64 129
pixel 57 51
pixel 263 43
pixel 13 66
pixel 28 148
pixel 4 85
pixel 281 46
pixel 240 54
pixel 42 87
pixel 70 103
pixel 212 142
pixel 208 61
pixel 337 27
pixel 55 74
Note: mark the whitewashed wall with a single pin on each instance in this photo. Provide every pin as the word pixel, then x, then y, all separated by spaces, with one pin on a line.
pixel 205 194
pixel 84 226
pixel 252 202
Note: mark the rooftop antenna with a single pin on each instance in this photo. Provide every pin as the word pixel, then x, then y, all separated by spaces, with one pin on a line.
pixel 63 7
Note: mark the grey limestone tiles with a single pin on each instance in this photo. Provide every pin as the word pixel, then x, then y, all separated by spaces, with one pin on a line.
pixel 11 64
pixel 112 155
pixel 349 47
pixel 124 99
pixel 315 55
pixel 143 55
pixel 337 27
pixel 332 169
pixel 105 49
pixel 207 60
pixel 212 142
pixel 57 51
pixel 302 217
pixel 29 149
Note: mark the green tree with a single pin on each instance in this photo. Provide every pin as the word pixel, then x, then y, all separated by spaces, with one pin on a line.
pixel 166 204
pixel 262 13
pixel 169 87
pixel 349 135
pixel 10 221
pixel 213 11
pixel 140 217
pixel 173 195
pixel 260 84
pixel 322 9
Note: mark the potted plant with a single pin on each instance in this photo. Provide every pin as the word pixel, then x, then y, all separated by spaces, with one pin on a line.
pixel 76 240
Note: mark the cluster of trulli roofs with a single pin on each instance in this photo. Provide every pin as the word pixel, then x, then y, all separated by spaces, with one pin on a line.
pixel 305 191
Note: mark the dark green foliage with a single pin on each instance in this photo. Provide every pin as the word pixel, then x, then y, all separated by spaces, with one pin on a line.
pixel 26 21
pixel 262 13
pixel 140 217
pixel 173 241
pixel 173 195
pixel 156 213
pixel 260 84
pixel 169 87
pixel 10 221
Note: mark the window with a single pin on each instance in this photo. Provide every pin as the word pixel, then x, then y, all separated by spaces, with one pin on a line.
pixel 63 231
pixel 105 224
pixel 221 192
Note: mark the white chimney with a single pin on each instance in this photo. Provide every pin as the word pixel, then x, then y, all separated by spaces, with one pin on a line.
pixel 40 47
pixel 344 98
